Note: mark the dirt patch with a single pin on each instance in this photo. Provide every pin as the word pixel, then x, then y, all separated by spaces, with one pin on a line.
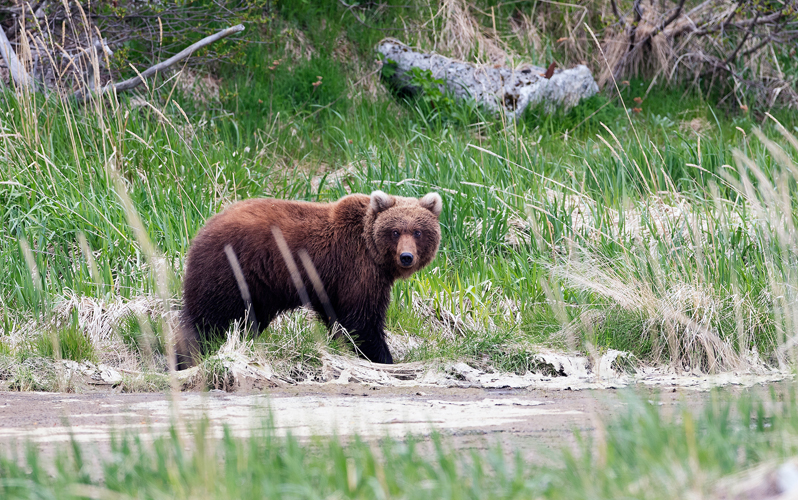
pixel 537 423
pixel 534 421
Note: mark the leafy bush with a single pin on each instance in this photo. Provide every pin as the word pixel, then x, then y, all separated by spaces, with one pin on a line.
pixel 434 105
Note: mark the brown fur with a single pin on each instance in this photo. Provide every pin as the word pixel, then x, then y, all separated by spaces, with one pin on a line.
pixel 356 245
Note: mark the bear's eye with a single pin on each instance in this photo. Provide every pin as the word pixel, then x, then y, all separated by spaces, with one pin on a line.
pixel 417 234
pixel 395 235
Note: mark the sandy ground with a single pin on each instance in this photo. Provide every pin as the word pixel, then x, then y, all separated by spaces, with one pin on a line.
pixel 536 414
pixel 536 422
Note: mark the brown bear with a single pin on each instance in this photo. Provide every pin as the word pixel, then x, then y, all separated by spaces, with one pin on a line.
pixel 358 246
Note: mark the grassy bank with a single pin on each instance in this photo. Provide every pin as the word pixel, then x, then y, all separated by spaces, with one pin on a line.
pixel 667 232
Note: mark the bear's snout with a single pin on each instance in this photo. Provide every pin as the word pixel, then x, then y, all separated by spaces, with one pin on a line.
pixel 406 252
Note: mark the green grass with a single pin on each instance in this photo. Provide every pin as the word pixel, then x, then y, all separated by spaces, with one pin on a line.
pixel 490 178
pixel 64 341
pixel 142 334
pixel 70 343
pixel 546 221
pixel 641 453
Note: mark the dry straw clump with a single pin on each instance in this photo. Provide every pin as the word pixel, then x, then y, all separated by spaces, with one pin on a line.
pixel 681 319
pixel 100 320
pixel 201 87
pixel 730 44
pixel 463 38
pixel 480 308
pixel 525 29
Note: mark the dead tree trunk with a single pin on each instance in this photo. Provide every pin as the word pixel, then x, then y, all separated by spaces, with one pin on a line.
pixel 506 90
pixel 15 67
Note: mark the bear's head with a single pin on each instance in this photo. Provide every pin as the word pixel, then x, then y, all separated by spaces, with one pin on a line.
pixel 405 232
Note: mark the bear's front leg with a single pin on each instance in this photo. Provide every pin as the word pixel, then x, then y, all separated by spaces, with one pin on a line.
pixel 369 337
pixel 375 349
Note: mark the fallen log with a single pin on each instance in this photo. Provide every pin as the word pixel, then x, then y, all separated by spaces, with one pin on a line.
pixel 15 67
pixel 499 89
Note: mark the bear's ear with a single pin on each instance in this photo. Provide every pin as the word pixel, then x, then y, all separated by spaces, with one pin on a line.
pixel 380 201
pixel 432 202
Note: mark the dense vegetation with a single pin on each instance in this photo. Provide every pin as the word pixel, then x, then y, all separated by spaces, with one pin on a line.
pixel 653 218
pixel 666 230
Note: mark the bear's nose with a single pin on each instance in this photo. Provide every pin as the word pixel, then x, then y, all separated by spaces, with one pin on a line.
pixel 406 259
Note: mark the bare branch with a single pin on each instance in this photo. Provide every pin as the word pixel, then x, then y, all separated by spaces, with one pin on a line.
pixel 758 46
pixel 637 11
pixel 638 17
pixel 81 96
pixel 740 45
pixel 636 46
pixel 745 23
pixel 664 24
pixel 617 13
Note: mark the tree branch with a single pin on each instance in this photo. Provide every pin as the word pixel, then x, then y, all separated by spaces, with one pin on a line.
pixel 745 23
pixel 638 17
pixel 740 46
pixel 663 25
pixel 761 44
pixel 636 46
pixel 617 13
pixel 82 96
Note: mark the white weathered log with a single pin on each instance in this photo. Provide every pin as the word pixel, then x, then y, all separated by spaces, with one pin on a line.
pixel 130 83
pixel 500 89
pixel 15 67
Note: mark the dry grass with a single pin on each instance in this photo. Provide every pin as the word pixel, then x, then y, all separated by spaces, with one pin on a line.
pixel 201 87
pixel 341 176
pixel 658 59
pixel 100 320
pixel 707 41
pixel 462 37
pixel 525 29
pixel 472 309
pixel 681 318
pixel 296 44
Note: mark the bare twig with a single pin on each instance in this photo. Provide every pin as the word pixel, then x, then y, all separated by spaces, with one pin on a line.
pixel 758 46
pixel 638 17
pixel 635 46
pixel 81 96
pixel 617 13
pixel 740 45
pixel 745 23
pixel 663 25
